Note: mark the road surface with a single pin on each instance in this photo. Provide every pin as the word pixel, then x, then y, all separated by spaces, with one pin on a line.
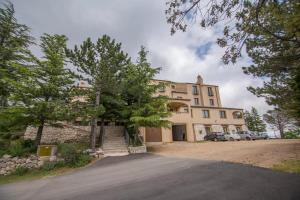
pixel 148 176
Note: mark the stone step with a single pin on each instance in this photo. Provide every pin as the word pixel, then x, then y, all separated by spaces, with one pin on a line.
pixel 115 142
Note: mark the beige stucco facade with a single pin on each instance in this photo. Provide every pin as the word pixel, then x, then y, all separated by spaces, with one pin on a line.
pixel 196 111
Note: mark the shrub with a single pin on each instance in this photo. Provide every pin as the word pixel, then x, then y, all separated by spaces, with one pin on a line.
pixel 30 146
pixel 20 171
pixel 83 160
pixel 291 134
pixel 16 148
pixel 48 166
pixel 73 155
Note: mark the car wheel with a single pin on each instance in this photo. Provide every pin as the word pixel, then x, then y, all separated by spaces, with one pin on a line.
pixel 247 138
pixel 231 139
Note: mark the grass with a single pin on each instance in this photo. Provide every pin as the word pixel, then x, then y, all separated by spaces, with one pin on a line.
pixel 40 173
pixel 34 174
pixel 291 166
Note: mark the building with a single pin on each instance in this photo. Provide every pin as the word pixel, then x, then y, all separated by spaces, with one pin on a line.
pixel 196 111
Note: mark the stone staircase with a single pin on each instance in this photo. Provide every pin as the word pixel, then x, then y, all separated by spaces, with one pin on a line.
pixel 114 142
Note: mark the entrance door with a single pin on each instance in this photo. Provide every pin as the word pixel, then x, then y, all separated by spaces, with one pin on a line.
pixel 153 134
pixel 179 132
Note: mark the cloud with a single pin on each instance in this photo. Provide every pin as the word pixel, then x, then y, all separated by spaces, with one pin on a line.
pixel 141 22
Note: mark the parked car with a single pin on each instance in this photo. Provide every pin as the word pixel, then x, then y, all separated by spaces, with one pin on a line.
pixel 245 135
pixel 259 136
pixel 232 136
pixel 215 136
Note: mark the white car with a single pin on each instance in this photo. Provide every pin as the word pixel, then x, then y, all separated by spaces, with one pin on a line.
pixel 232 136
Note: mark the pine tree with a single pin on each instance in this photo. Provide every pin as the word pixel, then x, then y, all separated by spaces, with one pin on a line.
pixel 100 64
pixel 278 119
pixel 14 54
pixel 142 107
pixel 43 96
pixel 254 121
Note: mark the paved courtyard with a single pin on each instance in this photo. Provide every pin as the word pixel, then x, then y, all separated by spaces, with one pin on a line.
pixel 148 176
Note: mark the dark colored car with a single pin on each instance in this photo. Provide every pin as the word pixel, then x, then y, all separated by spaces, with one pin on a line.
pixel 215 137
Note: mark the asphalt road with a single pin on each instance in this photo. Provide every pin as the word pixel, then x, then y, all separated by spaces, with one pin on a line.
pixel 149 176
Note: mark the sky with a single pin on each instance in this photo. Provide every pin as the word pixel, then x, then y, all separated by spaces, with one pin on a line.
pixel 181 57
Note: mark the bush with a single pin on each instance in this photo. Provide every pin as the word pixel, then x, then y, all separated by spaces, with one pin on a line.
pixel 29 146
pixel 48 166
pixel 16 148
pixel 73 155
pixel 20 171
pixel 83 160
pixel 291 134
pixel 22 147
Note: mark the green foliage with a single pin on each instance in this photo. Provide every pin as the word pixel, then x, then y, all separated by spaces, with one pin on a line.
pixel 142 107
pixel 83 160
pixel 20 171
pixel 254 121
pixel 101 63
pixel 293 134
pixel 51 165
pixel 73 155
pixel 44 94
pixel 18 147
pixel 270 31
pixel 291 166
pixel 278 119
pixel 14 43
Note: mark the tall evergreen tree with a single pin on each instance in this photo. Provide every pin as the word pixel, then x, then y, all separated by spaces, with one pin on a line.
pixel 254 121
pixel 100 64
pixel 43 96
pixel 143 108
pixel 14 54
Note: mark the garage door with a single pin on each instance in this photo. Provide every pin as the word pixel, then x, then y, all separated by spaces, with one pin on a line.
pixel 153 134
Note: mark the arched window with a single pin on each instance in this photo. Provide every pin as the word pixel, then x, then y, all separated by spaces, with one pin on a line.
pixel 178 107
pixel 237 115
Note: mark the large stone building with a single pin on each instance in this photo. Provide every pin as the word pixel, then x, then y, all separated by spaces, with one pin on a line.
pixel 196 111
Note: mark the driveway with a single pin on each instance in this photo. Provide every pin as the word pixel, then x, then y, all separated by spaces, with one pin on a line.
pixel 148 176
pixel 261 153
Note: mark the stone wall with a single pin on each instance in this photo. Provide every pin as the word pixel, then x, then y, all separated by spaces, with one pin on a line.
pixel 54 135
pixel 67 134
pixel 9 164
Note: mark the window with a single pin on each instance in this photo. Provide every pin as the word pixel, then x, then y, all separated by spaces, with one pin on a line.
pixel 207 129
pixel 210 92
pixel 237 115
pixel 195 90
pixel 238 128
pixel 161 89
pixel 211 102
pixel 173 86
pixel 205 113
pixel 225 129
pixel 222 114
pixel 196 101
pixel 186 109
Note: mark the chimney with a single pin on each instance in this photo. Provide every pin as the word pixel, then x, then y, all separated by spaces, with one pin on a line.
pixel 199 80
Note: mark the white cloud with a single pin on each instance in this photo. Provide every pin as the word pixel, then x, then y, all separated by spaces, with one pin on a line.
pixel 142 22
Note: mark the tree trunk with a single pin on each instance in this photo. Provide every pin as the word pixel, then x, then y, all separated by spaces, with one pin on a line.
pixel 94 124
pixel 39 133
pixel 281 132
pixel 101 133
